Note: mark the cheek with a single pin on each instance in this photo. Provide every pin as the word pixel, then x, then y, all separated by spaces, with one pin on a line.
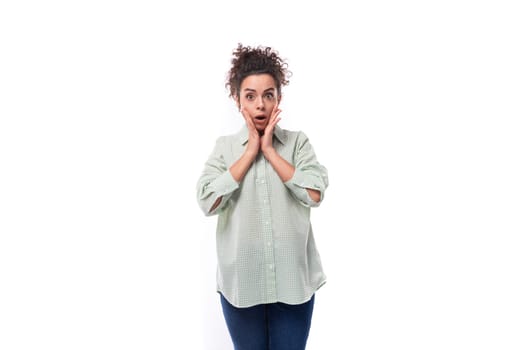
pixel 244 103
pixel 248 110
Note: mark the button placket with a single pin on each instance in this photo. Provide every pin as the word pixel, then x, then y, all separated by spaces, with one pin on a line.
pixel 263 201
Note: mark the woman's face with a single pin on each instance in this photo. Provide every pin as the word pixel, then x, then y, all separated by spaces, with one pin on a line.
pixel 258 97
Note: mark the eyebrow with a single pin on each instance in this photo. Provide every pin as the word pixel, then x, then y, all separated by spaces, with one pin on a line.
pixel 253 90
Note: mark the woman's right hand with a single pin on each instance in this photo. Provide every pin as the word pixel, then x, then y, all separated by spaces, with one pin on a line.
pixel 254 140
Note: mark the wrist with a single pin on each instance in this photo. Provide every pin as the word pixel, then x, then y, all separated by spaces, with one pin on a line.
pixel 250 154
pixel 268 151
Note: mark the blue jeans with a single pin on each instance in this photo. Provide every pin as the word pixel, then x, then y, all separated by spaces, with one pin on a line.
pixel 276 326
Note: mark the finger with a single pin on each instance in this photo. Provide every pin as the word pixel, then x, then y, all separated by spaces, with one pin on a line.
pixel 271 126
pixel 249 121
pixel 250 124
pixel 274 115
pixel 243 112
pixel 274 123
pixel 276 119
pixel 275 108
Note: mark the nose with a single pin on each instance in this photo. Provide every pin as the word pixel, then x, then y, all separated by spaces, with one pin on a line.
pixel 260 104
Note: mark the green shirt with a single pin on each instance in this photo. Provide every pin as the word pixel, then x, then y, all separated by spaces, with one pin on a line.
pixel 265 246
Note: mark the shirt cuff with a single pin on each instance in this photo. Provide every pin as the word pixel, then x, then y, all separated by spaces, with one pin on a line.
pixel 298 185
pixel 223 186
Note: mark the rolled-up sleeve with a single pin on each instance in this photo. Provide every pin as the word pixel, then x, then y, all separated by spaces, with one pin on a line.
pixel 215 181
pixel 309 173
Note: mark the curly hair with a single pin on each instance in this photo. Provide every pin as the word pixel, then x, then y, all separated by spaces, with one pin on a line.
pixel 256 60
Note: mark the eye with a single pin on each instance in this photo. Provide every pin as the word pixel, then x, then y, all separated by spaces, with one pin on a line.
pixel 269 96
pixel 250 97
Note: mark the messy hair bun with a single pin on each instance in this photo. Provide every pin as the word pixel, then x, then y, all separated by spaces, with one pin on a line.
pixel 256 60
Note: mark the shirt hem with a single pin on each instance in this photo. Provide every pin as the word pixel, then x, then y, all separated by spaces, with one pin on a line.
pixel 278 300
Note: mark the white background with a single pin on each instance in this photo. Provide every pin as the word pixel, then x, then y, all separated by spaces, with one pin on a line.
pixel 110 108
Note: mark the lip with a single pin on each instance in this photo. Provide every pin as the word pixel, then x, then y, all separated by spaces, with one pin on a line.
pixel 260 118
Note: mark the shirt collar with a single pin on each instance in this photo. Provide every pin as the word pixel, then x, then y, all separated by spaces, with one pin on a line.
pixel 279 134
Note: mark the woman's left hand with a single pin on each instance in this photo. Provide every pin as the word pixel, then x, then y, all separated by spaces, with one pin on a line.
pixel 267 138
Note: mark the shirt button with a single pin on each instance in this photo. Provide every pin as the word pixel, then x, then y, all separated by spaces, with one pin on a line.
pixel 270 267
pixel 262 181
pixel 269 244
pixel 265 201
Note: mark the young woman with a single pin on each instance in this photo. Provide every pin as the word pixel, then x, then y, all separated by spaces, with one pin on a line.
pixel 262 182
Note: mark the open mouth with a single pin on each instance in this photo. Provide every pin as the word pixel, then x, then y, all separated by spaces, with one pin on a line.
pixel 260 117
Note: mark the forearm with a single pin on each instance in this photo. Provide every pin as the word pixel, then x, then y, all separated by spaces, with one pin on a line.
pixel 241 166
pixel 286 170
pixel 281 166
pixel 314 194
pixel 216 204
